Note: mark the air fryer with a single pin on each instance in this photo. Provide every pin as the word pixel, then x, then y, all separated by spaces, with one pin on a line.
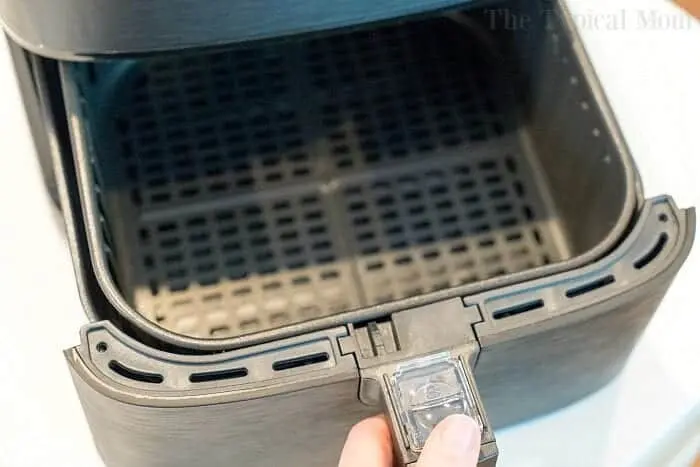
pixel 285 217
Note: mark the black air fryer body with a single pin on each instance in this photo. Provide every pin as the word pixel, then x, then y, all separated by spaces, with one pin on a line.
pixel 288 215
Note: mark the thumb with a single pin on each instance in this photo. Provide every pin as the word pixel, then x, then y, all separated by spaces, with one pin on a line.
pixel 455 442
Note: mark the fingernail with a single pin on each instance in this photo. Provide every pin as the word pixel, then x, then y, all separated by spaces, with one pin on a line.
pixel 460 436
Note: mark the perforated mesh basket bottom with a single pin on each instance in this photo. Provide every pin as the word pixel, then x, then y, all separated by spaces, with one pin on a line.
pixel 272 186
pixel 360 240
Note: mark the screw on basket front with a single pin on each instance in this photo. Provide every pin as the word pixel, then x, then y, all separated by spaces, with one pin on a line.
pixel 421 373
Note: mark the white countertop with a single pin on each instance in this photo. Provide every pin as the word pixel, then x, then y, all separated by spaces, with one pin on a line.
pixel 650 69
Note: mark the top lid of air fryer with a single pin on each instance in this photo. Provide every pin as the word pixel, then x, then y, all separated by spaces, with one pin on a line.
pixel 83 28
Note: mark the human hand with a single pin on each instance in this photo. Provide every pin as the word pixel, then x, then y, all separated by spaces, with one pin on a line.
pixel 455 442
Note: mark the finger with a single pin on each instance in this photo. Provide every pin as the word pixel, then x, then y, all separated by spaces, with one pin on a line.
pixel 368 445
pixel 455 442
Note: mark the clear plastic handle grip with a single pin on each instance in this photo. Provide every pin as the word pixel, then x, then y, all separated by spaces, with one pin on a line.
pixel 420 393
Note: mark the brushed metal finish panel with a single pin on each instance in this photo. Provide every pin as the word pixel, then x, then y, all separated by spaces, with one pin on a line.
pixel 304 428
pixel 530 376
pixel 552 363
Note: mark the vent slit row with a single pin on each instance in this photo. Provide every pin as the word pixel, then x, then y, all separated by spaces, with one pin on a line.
pixel 218 375
pixel 299 362
pixel 136 375
pixel 518 309
pixel 590 286
pixel 653 253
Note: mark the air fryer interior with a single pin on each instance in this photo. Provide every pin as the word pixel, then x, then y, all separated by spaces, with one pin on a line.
pixel 247 189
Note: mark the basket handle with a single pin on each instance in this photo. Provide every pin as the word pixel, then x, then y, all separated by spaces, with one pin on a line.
pixel 419 394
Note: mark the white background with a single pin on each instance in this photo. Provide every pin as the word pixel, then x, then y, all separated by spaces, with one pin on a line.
pixel 651 74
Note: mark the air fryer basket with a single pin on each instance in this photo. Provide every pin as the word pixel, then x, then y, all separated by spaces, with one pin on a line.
pixel 243 190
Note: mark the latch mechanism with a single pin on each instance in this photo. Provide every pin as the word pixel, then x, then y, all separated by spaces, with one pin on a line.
pixel 418 366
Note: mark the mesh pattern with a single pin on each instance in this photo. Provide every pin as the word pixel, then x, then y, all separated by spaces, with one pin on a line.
pixel 199 127
pixel 193 161
pixel 441 226
pixel 268 186
pixel 259 264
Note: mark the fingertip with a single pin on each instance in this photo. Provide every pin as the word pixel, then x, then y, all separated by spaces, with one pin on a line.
pixel 368 444
pixel 456 441
pixel 376 425
pixel 459 425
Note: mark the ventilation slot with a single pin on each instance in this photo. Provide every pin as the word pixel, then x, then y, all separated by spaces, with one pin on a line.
pixel 136 375
pixel 299 362
pixel 518 309
pixel 220 375
pixel 653 253
pixel 590 287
